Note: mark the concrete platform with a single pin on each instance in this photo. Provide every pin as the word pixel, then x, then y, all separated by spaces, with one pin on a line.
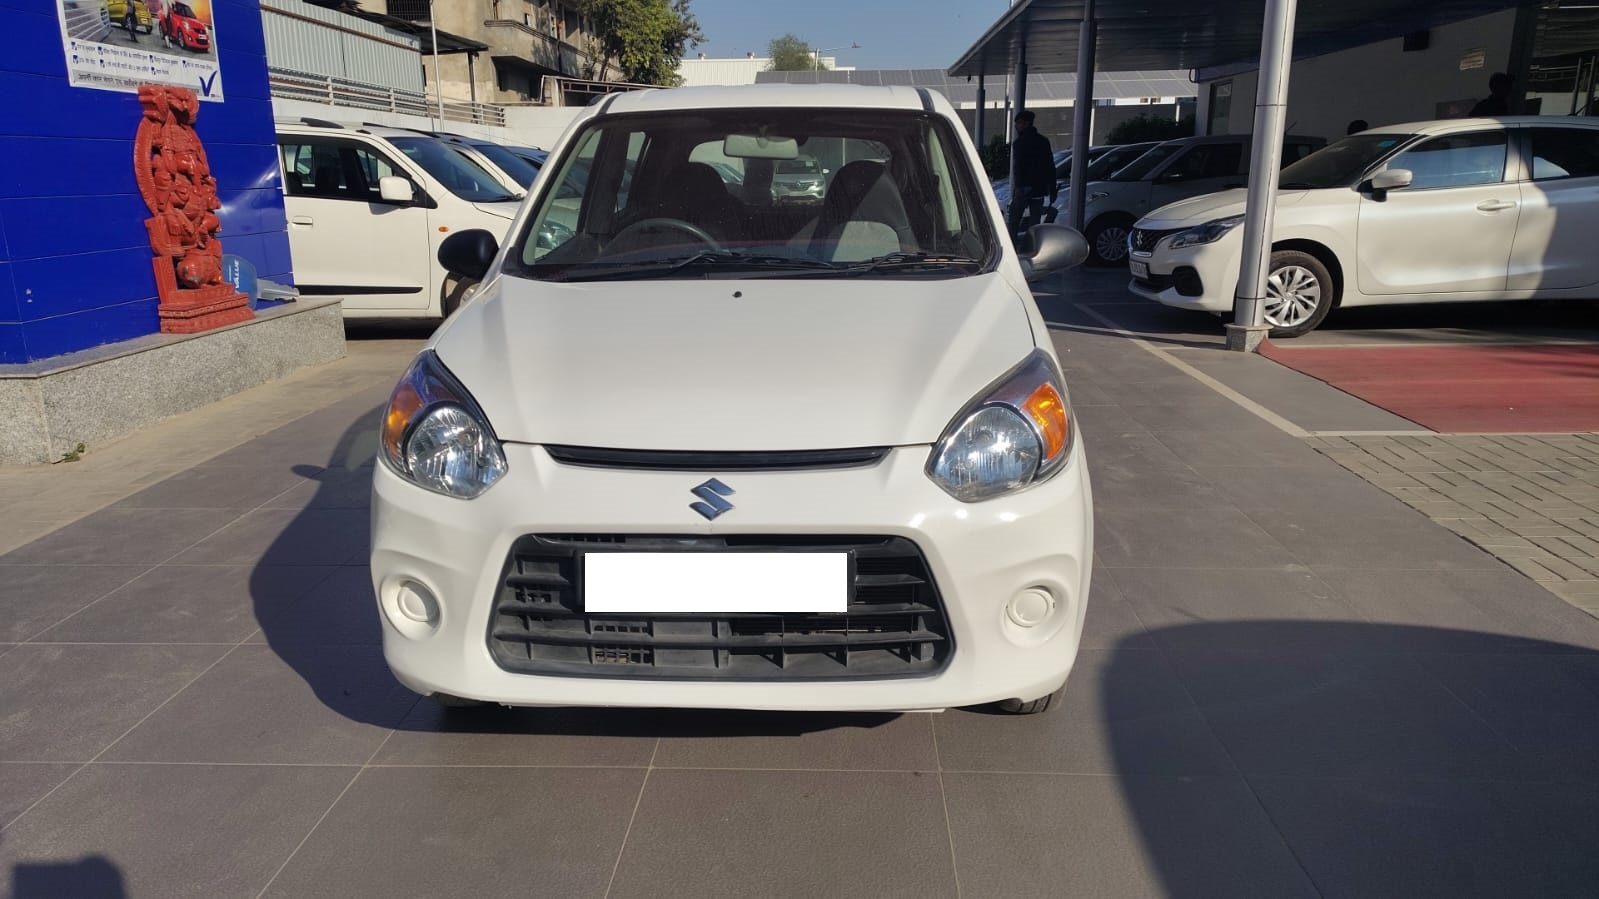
pixel 102 394
pixel 1292 684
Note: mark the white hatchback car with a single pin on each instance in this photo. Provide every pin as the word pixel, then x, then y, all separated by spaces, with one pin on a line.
pixel 1430 212
pixel 719 451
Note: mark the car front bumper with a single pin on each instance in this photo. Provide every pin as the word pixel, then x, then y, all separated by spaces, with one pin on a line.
pixel 981 556
pixel 1212 267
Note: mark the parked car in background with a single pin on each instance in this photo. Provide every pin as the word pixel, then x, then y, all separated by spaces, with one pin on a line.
pixel 1443 211
pixel 1103 167
pixel 533 156
pixel 368 208
pixel 1063 172
pixel 1171 171
pixel 488 154
pixel 799 180
pixel 656 466
pixel 181 25
pixel 142 19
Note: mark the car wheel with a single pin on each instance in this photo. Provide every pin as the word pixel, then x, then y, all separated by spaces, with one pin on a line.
pixel 1299 293
pixel 1032 706
pixel 1107 240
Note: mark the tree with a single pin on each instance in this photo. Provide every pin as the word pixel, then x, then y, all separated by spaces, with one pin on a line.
pixel 643 40
pixel 1144 127
pixel 790 53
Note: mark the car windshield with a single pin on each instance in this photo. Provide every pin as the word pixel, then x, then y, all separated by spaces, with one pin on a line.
pixel 183 9
pixel 1143 166
pixel 1340 164
pixel 459 175
pixel 509 163
pixel 1106 165
pixel 691 194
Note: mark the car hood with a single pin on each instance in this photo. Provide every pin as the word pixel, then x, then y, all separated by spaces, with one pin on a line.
pixel 505 209
pixel 1208 208
pixel 724 365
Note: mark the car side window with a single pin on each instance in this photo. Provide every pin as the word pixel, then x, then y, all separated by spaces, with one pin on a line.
pixel 334 169
pixel 1564 153
pixel 1206 161
pixel 1456 160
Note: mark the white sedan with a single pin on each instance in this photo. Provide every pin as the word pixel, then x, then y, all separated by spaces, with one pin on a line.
pixel 1447 211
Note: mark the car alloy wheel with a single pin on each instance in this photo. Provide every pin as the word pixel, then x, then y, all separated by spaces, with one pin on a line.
pixel 1112 243
pixel 1299 293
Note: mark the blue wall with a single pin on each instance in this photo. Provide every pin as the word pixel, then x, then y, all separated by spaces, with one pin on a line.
pixel 75 260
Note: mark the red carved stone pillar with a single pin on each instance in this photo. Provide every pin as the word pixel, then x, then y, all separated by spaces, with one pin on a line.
pixel 175 180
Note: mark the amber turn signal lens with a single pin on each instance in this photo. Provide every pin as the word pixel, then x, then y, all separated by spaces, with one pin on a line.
pixel 403 406
pixel 1048 410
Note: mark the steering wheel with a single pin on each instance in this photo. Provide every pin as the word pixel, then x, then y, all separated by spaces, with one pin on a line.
pixel 669 224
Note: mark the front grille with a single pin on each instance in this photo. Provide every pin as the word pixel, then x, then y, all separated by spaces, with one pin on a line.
pixel 894 625
pixel 681 460
pixel 1144 241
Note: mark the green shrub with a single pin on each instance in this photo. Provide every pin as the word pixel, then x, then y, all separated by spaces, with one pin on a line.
pixel 1146 127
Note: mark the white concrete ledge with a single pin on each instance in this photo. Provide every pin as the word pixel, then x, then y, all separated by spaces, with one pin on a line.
pixel 47 408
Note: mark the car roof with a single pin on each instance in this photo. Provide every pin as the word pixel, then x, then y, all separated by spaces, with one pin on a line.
pixel 1229 139
pixel 841 96
pixel 324 126
pixel 1447 126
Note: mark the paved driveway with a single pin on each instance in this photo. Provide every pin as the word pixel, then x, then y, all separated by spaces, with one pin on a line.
pixel 1291 684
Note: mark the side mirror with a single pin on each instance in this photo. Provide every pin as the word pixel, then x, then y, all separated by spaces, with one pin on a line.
pixel 1392 179
pixel 469 254
pixel 393 189
pixel 1055 249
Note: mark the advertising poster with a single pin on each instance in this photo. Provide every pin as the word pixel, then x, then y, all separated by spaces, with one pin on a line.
pixel 117 45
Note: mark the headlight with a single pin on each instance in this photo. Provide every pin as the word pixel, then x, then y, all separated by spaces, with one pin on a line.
pixel 435 436
pixel 1016 434
pixel 1209 232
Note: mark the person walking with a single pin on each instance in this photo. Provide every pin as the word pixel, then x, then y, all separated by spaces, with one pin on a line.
pixel 130 21
pixel 1032 175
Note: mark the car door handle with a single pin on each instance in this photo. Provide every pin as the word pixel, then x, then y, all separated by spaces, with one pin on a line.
pixel 1495 205
pixel 302 220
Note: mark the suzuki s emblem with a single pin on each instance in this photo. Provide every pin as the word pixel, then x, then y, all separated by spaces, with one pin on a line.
pixel 711 492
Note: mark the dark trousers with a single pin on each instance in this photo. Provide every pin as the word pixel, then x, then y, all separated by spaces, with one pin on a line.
pixel 1025 212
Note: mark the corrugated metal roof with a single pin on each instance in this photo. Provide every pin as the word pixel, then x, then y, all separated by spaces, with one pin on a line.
pixel 307 38
pixel 1048 86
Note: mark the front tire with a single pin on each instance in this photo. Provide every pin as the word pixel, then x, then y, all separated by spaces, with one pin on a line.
pixel 1107 240
pixel 1299 293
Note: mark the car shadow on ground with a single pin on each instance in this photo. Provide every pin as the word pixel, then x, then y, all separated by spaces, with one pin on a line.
pixel 331 638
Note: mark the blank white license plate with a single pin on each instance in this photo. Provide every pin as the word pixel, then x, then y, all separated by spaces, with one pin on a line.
pixel 1140 269
pixel 714 583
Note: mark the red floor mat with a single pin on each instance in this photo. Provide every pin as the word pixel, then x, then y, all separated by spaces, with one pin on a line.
pixel 1470 389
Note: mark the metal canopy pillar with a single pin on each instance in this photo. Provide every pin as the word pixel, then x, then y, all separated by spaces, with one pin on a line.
pixel 1020 93
pixel 1083 115
pixel 982 113
pixel 1265 160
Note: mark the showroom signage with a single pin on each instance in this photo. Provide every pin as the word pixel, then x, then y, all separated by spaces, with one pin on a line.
pixel 118 45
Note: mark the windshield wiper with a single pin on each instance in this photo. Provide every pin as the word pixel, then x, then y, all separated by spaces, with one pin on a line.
pixel 907 261
pixel 598 271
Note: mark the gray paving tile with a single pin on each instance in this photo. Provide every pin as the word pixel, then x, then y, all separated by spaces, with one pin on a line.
pixel 1111 621
pixel 321 707
pixel 782 740
pixel 1124 712
pixel 67 703
pixel 1053 835
pixel 1184 538
pixel 214 487
pixel 788 833
pixel 1403 838
pixel 123 537
pixel 21 785
pixel 1546 706
pixel 1341 715
pixel 1401 539
pixel 1327 491
pixel 1139 472
pixel 1213 413
pixel 35 597
pixel 167 830
pixel 285 537
pixel 1251 605
pixel 1256 447
pixel 468 832
pixel 1307 402
pixel 330 489
pixel 1464 611
pixel 531 737
pixel 188 604
pixel 1106 423
pixel 340 610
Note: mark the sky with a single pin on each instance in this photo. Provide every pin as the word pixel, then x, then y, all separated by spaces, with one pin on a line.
pixel 893 34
